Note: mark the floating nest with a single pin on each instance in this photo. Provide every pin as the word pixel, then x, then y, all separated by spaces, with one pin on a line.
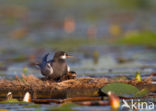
pixel 78 87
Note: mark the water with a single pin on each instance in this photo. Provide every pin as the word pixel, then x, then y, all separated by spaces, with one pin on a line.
pixel 26 107
pixel 136 59
pixel 28 28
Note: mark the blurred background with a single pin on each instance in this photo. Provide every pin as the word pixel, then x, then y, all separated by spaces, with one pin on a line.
pixel 106 37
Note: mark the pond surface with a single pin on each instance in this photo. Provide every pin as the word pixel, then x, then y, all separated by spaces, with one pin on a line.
pixel 88 61
pixel 109 60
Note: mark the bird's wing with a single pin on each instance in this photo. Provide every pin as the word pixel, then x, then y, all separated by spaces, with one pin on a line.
pixel 47 70
pixel 51 61
pixel 44 59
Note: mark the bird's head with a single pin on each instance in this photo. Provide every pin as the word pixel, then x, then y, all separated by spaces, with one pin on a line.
pixel 61 55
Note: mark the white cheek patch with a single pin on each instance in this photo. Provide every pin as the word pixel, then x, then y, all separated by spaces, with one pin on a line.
pixel 63 57
pixel 68 68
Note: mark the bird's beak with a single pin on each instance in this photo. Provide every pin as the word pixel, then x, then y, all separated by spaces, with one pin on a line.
pixel 69 56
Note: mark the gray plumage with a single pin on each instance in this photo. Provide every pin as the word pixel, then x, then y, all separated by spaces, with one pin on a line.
pixel 55 68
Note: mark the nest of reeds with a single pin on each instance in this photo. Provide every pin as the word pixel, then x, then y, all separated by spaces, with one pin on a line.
pixel 68 88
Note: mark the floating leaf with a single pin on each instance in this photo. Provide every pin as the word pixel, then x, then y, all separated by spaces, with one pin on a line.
pixel 32 106
pixel 65 107
pixel 12 101
pixel 120 89
pixel 142 93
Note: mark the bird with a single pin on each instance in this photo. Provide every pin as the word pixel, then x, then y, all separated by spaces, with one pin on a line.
pixel 56 68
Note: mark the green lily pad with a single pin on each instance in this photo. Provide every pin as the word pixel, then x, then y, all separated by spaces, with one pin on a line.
pixel 64 107
pixel 13 101
pixel 142 93
pixel 32 106
pixel 120 89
